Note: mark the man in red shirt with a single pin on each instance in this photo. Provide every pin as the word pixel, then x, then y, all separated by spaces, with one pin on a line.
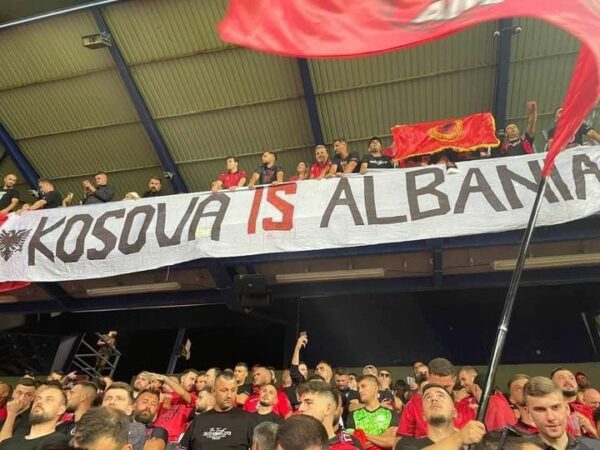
pixel 516 397
pixel 579 413
pixel 232 178
pixel 320 168
pixel 261 376
pixel 412 421
pixel 183 398
pixel 498 414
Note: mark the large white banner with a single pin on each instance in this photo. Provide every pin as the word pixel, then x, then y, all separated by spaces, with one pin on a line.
pixel 385 206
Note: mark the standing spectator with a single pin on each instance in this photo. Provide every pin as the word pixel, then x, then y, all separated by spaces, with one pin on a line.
pixel 377 422
pixel 106 348
pixel 120 396
pixel 183 399
pixel 298 376
pixel 268 172
pixel 142 382
pixel 550 413
pixel 80 399
pixel 232 178
pixel 345 162
pixel 49 404
pixel 302 432
pixel 264 436
pixel 374 159
pixel 9 196
pixel 322 166
pixel 582 380
pixel 145 410
pixel 210 376
pixel 200 382
pixel 516 144
pixel 517 397
pixel 5 394
pixel 49 198
pixel 580 415
pixel 583 130
pixel 325 371
pixel 261 376
pixel 439 412
pixel 386 396
pixel 264 410
pixel 225 426
pixel 154 188
pixel 348 396
pixel 301 172
pixel 103 428
pixel 204 402
pixel 240 372
pixel 102 192
pixel 17 410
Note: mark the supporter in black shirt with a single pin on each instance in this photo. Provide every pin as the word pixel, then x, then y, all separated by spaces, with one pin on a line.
pixel 583 130
pixel 101 193
pixel 17 419
pixel 49 197
pixel 348 395
pixel 154 188
pixel 264 411
pixel 9 196
pixel 103 428
pixel 49 404
pixel 344 161
pixel 225 426
pixel 268 172
pixel 375 159
pixel 516 144
pixel 80 399
pixel 240 372
pixel 145 410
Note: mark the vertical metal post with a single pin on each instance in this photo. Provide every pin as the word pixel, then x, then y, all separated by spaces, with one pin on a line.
pixel 176 350
pixel 504 34
pixel 311 101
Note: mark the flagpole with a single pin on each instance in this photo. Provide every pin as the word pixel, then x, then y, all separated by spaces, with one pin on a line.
pixel 509 302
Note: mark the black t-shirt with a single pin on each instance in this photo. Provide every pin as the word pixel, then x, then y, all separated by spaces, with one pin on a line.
pixel 245 389
pixel 20 443
pixel 515 146
pixel 22 425
pixel 408 443
pixel 341 163
pixel 152 194
pixel 53 199
pixel 214 430
pixel 67 428
pixel 271 417
pixel 378 162
pixel 154 432
pixel 6 196
pixel 577 138
pixel 268 175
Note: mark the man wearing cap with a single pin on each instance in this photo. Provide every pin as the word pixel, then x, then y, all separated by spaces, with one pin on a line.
pixel 439 413
pixel 498 414
pixel 374 159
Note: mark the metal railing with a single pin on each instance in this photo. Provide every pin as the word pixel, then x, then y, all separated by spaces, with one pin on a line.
pixel 92 360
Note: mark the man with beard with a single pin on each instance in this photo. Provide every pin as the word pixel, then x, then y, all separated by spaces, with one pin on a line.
pixel 204 402
pixel 225 426
pixel 142 382
pixel 210 376
pixel 320 169
pixel 516 398
pixel 550 413
pixel 120 396
pixel 48 406
pixel 17 410
pixel 145 410
pixel 154 188
pixel 439 413
pixel 80 399
pixel 345 162
pixel 349 397
pixel 262 376
pixel 264 411
pixel 9 196
pixel 375 159
pixel 240 372
pixel 183 398
pixel 579 414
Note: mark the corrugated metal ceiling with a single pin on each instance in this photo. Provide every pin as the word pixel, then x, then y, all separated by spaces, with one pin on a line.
pixel 71 115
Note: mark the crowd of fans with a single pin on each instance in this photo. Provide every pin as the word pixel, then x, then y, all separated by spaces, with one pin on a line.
pixel 331 408
pixel 269 171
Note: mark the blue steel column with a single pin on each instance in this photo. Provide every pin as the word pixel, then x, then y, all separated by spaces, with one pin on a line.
pixel 504 33
pixel 15 153
pixel 311 101
pixel 160 148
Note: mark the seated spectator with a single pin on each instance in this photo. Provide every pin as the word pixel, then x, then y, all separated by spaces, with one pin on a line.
pixel 322 166
pixel 516 144
pixel 9 196
pixel 264 435
pixel 48 406
pixel 103 429
pixel 550 413
pixel 268 172
pixel 583 130
pixel 582 380
pixel 145 411
pixel 377 422
pixel 131 196
pixel 591 398
pixel 200 382
pixel 80 399
pixel 448 159
pixel 18 409
pixel 302 432
pixel 225 426
pixel 142 382
pixel 579 413
pixel 498 414
pixel 120 396
pixel 506 440
pixel 264 410
pixel 102 192
pixel 386 396
pixel 516 397
pixel 261 377
pixel 344 162
pixel 439 413
pixel 374 159
pixel 232 178
pixel 154 188
pixel 301 172
pixel 49 198
pixel 5 394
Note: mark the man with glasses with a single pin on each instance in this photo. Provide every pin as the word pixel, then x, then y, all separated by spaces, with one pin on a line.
pixel 386 395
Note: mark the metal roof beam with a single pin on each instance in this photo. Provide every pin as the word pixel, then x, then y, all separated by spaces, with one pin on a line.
pixel 311 101
pixel 504 35
pixel 15 153
pixel 160 147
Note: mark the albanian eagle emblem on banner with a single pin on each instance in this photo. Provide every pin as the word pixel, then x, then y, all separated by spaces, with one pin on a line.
pixel 12 242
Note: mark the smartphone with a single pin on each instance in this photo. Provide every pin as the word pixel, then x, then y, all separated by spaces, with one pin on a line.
pixel 303 333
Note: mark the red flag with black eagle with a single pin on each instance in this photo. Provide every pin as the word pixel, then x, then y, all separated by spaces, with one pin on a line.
pixel 6 286
pixel 474 132
pixel 342 28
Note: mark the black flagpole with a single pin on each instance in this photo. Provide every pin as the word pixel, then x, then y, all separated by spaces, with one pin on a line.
pixel 509 302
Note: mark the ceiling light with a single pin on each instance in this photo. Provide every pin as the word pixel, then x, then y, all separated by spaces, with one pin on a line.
pixel 133 289
pixel 333 275
pixel 548 262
